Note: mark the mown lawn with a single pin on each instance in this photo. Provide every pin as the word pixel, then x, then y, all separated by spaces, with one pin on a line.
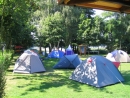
pixel 56 84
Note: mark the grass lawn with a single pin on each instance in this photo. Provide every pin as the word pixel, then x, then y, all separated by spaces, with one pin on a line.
pixel 56 84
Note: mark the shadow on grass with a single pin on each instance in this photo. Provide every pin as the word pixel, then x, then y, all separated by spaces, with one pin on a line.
pixel 49 79
pixel 53 78
pixel 126 75
pixel 49 63
pixel 42 82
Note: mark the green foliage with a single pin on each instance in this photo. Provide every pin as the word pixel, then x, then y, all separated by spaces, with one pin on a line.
pixel 52 28
pixel 5 62
pixel 6 58
pixel 52 23
pixel 14 22
pixel 103 51
pixel 2 80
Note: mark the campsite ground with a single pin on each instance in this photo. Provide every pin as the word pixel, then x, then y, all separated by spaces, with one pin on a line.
pixel 56 84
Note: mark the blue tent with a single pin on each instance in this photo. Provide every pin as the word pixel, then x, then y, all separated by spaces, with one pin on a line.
pixel 97 71
pixel 69 51
pixel 56 54
pixel 68 61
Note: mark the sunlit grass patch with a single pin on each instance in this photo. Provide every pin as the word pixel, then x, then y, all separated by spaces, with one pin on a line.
pixel 55 83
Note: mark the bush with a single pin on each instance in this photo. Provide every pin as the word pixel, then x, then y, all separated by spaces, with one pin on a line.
pixel 5 61
pixel 103 51
pixel 2 80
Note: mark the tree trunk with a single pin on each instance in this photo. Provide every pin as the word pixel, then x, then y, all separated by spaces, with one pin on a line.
pixel 50 47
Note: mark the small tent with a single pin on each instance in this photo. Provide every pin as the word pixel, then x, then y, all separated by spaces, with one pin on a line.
pixel 69 51
pixel 118 56
pixel 97 71
pixel 32 51
pixel 68 61
pixel 56 54
pixel 28 62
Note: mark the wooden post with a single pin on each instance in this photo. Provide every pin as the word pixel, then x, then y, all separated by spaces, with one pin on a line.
pixel 82 49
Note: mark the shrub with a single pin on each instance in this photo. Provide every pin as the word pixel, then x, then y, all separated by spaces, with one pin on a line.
pixel 103 51
pixel 5 61
pixel 2 80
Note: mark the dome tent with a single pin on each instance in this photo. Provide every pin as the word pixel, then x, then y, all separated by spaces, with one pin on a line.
pixel 97 71
pixel 28 62
pixel 68 62
pixel 56 54
pixel 118 56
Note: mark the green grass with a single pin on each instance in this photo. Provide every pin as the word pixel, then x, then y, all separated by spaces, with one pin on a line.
pixel 56 84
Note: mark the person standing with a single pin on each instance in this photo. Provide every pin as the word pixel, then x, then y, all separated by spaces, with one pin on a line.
pixel 3 48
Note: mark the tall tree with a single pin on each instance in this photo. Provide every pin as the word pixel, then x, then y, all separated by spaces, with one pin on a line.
pixel 14 20
pixel 98 31
pixel 53 30
pixel 85 27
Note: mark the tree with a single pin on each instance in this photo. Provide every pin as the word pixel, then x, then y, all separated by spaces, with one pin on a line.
pixel 98 31
pixel 85 27
pixel 71 17
pixel 14 20
pixel 52 29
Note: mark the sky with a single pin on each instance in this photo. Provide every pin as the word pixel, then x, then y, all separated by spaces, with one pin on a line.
pixel 98 12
